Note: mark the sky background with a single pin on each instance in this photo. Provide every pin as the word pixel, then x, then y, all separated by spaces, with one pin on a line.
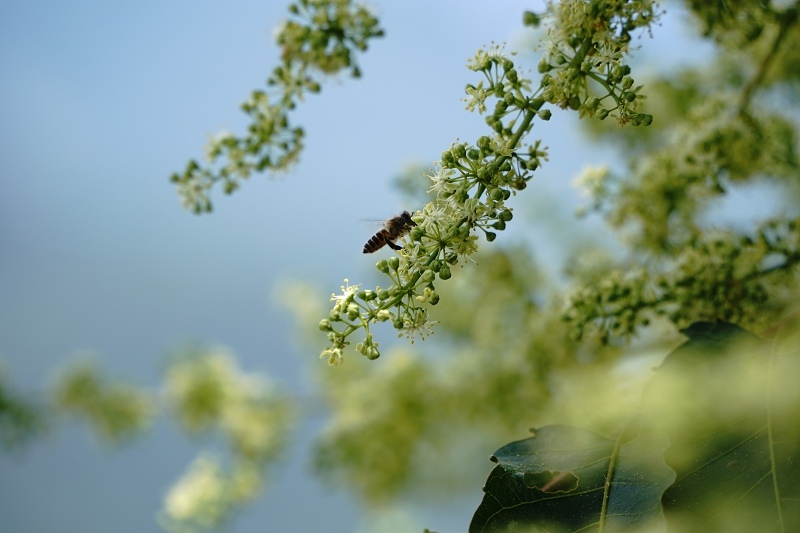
pixel 99 103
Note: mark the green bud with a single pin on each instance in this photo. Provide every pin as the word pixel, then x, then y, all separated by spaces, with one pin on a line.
pixel 512 76
pixel 352 312
pixel 508 64
pixel 369 295
pixel 434 299
pixel 416 233
pixel 444 272
pixel 627 81
pixel 629 96
pixel 499 225
pixel 544 66
pixel 427 276
pixel 490 236
pixel 383 294
pixel 398 324
pixel 334 316
pixel 394 263
pixel 545 114
pixel 647 119
pixel 325 325
pixel 473 154
pixel 460 151
pixel 506 215
pixel 496 194
pixel 591 103
pixel 483 142
pixel 529 18
pixel 436 265
pixel 451 258
pixel 382 266
pixel 602 114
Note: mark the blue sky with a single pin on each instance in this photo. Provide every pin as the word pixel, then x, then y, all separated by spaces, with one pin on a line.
pixel 99 103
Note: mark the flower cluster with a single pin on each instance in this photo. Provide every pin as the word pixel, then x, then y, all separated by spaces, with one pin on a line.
pixel 719 276
pixel 583 63
pixel 472 183
pixel 320 40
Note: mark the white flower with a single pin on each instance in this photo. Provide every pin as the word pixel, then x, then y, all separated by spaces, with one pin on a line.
pixel 442 182
pixel 334 356
pixel 477 97
pixel 344 299
pixel 591 182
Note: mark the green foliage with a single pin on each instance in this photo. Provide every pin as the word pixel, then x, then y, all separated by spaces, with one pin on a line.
pixel 116 411
pixel 208 395
pixel 570 479
pixel 20 419
pixel 715 441
pixel 208 392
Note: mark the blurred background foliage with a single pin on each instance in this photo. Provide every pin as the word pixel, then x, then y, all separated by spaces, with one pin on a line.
pixel 519 343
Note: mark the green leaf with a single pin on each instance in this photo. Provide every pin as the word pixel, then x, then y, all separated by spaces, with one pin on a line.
pixel 556 480
pixel 729 402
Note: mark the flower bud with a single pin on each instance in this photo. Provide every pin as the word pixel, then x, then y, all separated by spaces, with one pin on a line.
pixel 325 325
pixel 444 272
pixel 394 263
pixel 529 18
pixel 627 81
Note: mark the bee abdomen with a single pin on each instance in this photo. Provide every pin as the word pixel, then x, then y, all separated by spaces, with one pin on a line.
pixel 376 242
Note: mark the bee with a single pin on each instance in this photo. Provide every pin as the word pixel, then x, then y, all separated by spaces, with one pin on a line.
pixel 392 229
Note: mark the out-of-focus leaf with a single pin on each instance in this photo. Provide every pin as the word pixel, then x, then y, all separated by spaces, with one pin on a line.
pixel 20 419
pixel 556 481
pixel 729 402
pixel 116 411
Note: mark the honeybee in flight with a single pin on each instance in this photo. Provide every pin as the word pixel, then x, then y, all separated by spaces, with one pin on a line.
pixel 392 229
